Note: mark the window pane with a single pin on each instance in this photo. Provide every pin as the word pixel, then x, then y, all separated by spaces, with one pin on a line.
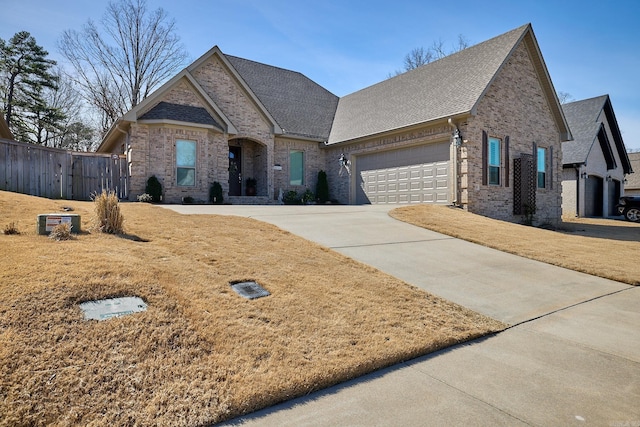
pixel 541 180
pixel 185 153
pixel 296 167
pixel 542 167
pixel 494 175
pixel 494 161
pixel 494 152
pixel 186 177
pixel 542 155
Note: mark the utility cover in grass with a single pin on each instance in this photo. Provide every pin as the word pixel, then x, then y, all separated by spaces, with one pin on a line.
pixel 250 290
pixel 112 307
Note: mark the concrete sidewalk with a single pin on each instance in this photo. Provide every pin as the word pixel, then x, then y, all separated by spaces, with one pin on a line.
pixel 572 358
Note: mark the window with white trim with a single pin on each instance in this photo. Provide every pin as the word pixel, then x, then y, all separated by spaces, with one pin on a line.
pixel 185 163
pixel 494 161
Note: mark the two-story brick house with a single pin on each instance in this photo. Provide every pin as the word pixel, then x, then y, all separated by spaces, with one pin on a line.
pixel 481 129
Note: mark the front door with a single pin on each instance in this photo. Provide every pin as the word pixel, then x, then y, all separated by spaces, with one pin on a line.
pixel 235 172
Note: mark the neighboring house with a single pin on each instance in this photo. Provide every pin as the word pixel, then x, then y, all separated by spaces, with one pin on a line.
pixel 632 183
pixel 595 163
pixel 4 129
pixel 481 129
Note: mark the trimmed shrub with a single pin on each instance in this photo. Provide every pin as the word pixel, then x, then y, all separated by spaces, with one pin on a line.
pixel 322 188
pixel 154 189
pixel 291 198
pixel 107 215
pixel 307 197
pixel 215 193
pixel 145 198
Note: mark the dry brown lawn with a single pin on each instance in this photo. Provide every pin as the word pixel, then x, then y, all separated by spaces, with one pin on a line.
pixel 200 353
pixel 607 248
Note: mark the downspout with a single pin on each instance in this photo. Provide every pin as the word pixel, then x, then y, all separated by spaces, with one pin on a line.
pixel 127 140
pixel 455 144
pixel 127 153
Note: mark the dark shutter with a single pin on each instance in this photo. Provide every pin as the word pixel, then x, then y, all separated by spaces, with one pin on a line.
pixel 535 165
pixel 550 167
pixel 485 158
pixel 506 161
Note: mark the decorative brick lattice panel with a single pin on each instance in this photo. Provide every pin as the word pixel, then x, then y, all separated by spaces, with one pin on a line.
pixel 524 184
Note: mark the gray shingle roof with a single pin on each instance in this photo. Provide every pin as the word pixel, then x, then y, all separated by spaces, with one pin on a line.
pixel 582 118
pixel 444 88
pixel 300 106
pixel 633 180
pixel 182 113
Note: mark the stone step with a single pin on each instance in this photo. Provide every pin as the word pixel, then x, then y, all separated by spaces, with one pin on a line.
pixel 250 200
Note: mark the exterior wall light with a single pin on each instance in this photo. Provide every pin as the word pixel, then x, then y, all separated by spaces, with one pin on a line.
pixel 457 139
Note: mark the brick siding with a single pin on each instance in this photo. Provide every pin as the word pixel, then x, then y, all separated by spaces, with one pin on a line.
pixel 514 106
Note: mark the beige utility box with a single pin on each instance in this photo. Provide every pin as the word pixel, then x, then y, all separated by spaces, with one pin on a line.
pixel 46 222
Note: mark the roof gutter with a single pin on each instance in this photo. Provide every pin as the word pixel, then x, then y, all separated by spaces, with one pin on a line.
pixel 110 135
pixel 391 132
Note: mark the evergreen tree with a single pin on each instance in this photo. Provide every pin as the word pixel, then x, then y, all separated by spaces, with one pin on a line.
pixel 25 73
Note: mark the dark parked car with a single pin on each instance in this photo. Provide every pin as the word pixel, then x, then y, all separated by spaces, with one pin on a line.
pixel 629 206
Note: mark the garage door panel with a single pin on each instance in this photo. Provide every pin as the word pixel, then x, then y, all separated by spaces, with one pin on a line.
pixel 411 175
pixel 429 172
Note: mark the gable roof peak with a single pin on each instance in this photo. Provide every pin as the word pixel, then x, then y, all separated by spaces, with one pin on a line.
pixel 596 100
pixel 452 86
pixel 584 118
pixel 298 105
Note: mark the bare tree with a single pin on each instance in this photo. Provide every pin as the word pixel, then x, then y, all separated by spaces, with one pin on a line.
pixel 421 56
pixel 120 64
pixel 417 57
pixel 75 129
pixel 564 97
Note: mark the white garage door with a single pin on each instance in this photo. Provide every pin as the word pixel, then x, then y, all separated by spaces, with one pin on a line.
pixel 410 175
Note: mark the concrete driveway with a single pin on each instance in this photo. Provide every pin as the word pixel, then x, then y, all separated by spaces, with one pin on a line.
pixel 571 357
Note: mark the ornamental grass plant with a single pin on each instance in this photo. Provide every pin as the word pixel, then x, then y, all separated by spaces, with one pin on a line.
pixel 107 215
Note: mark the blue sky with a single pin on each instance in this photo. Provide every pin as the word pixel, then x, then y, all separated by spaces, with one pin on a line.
pixel 590 47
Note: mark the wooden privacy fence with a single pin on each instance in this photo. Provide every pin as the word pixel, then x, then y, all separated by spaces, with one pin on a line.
pixel 60 174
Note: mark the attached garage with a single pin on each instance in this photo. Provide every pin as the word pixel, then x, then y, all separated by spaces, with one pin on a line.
pixel 418 174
